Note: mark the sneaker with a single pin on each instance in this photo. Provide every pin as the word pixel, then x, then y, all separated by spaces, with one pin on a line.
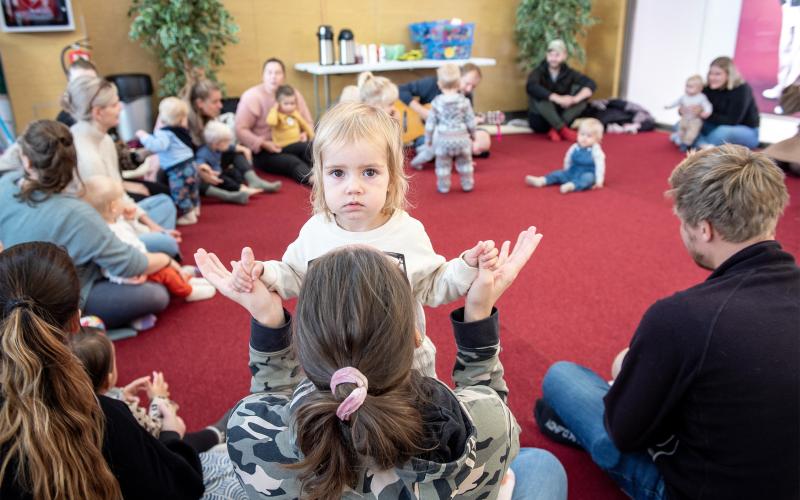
pixel 190 270
pixel 187 219
pixel 424 155
pixel 551 425
pixel 201 292
pixel 567 187
pixel 199 281
pixel 144 323
pixel 552 134
pixel 773 93
pixel 467 184
pixel 535 181
pixel 568 134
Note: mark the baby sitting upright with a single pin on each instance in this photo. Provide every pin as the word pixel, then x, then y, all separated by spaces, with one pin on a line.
pixel 584 163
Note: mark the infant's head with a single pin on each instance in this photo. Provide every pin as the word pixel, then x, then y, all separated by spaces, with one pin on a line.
pixel 105 195
pixel 287 99
pixel 218 136
pixel 694 85
pixel 96 353
pixel 173 112
pixel 590 132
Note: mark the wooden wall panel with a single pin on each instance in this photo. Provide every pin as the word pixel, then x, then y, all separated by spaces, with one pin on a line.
pixel 287 29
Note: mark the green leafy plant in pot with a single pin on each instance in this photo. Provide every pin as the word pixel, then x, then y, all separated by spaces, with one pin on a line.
pixel 540 21
pixel 188 37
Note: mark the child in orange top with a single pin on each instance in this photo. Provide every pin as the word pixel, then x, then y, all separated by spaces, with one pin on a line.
pixel 288 126
pixel 106 197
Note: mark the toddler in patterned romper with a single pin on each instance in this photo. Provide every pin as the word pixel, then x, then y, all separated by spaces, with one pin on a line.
pixel 449 130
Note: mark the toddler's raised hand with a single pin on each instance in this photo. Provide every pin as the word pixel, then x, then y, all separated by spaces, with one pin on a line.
pixel 483 251
pixel 157 386
pixel 245 271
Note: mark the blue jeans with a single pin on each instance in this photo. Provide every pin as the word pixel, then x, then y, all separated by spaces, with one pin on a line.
pixel 583 180
pixel 717 135
pixel 539 476
pixel 161 209
pixel 118 305
pixel 576 394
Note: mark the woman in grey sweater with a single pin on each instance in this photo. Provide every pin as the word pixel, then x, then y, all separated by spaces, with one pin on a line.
pixel 37 205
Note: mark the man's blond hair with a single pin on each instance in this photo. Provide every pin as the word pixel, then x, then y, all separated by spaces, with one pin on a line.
pixel 349 122
pixel 741 193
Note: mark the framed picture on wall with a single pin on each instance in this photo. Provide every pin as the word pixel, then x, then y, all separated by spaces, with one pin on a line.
pixel 36 15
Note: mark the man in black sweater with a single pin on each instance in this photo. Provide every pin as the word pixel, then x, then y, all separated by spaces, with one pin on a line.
pixel 557 94
pixel 706 402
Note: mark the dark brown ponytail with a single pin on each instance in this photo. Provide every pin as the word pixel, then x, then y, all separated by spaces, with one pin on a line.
pixel 355 309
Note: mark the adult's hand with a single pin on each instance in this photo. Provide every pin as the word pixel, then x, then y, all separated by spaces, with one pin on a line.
pixel 490 284
pixel 208 175
pixel 265 306
pixel 170 421
pixel 271 147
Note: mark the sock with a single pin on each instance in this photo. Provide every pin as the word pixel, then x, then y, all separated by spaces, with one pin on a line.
pixel 239 197
pixel 253 180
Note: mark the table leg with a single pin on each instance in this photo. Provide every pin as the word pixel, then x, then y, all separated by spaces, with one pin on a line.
pixel 327 92
pixel 316 97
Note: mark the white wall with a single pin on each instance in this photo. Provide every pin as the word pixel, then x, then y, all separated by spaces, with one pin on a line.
pixel 672 40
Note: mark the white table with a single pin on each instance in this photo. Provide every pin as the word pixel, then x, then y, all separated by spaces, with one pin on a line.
pixel 318 70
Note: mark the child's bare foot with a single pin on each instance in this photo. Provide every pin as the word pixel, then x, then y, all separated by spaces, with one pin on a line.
pixel 535 181
pixel 567 187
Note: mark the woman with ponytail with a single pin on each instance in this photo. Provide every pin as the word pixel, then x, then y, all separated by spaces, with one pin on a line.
pixel 57 439
pixel 337 410
pixel 37 204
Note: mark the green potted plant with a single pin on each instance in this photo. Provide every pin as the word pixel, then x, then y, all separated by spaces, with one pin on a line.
pixel 540 21
pixel 188 37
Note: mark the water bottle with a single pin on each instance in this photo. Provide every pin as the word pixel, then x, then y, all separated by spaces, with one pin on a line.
pixel 325 35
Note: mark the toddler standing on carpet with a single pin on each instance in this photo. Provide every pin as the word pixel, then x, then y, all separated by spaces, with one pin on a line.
pixel 107 197
pixel 695 107
pixel 584 163
pixel 358 195
pixel 173 144
pixel 98 357
pixel 288 126
pixel 450 129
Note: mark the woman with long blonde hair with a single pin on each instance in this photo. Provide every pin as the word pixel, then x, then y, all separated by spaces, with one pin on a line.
pixel 57 439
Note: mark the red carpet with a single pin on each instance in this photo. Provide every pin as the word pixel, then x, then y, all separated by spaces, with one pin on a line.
pixel 606 255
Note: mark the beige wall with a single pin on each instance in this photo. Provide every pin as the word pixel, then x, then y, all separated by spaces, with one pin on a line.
pixel 287 30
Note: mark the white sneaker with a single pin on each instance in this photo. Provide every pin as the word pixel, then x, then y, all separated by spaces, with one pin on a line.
pixel 199 281
pixel 201 292
pixel 535 181
pixel 567 187
pixel 190 270
pixel 187 219
pixel 773 93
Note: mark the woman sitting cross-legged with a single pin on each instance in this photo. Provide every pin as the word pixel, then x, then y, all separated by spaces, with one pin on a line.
pixel 338 412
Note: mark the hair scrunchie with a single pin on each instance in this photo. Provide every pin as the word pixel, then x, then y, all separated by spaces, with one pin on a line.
pixel 350 375
pixel 15 303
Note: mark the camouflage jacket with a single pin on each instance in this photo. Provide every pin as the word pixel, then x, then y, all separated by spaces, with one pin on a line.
pixel 261 438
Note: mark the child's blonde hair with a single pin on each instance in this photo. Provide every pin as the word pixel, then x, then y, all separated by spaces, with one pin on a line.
pixel 376 90
pixel 216 131
pixel 172 110
pixel 592 126
pixel 448 76
pixel 348 122
pixel 696 79
pixel 100 191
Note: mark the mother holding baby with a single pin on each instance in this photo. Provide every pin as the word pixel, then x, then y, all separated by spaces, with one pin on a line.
pixel 292 160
